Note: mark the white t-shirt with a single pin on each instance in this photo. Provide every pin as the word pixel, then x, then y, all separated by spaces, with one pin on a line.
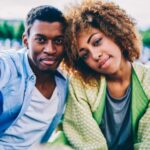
pixel 30 128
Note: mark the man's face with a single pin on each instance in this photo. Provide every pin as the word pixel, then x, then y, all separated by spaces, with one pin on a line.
pixel 46 45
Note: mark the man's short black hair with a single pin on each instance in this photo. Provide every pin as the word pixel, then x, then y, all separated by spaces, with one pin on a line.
pixel 45 13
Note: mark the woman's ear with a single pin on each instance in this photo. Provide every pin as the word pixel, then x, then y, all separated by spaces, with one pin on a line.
pixel 25 40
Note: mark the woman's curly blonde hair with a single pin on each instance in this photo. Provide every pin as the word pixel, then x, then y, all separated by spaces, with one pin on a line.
pixel 110 19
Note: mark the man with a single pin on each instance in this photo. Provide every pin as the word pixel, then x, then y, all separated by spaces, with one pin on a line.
pixel 32 90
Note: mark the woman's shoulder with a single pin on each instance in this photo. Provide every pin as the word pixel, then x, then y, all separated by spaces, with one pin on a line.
pixel 141 70
pixel 91 93
pixel 143 73
pixel 78 81
pixel 75 80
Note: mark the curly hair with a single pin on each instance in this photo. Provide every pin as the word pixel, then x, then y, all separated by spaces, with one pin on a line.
pixel 111 20
pixel 44 13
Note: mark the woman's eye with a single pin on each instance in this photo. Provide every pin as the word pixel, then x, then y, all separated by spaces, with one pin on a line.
pixel 97 42
pixel 84 56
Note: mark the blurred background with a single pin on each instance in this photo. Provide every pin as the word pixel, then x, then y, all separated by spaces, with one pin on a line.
pixel 13 13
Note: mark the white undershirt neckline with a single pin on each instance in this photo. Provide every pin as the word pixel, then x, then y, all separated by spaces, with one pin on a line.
pixel 33 124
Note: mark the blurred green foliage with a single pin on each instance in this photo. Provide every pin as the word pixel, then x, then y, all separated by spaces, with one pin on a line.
pixel 11 29
pixel 146 37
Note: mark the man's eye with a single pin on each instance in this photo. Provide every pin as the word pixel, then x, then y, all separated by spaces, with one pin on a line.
pixel 40 40
pixel 97 42
pixel 59 41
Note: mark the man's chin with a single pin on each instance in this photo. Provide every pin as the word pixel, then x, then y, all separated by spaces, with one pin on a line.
pixel 49 67
pixel 48 70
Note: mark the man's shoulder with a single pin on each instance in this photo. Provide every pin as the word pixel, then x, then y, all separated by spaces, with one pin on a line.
pixel 62 74
pixel 7 53
pixel 12 54
pixel 15 61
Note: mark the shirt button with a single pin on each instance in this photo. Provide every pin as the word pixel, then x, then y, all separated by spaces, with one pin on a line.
pixel 32 78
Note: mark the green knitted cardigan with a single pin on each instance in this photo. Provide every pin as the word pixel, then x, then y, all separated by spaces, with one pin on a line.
pixel 85 107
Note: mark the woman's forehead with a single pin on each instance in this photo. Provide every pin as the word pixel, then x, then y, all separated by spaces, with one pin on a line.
pixel 87 31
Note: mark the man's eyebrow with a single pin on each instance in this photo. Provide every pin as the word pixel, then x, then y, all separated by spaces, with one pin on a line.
pixel 38 34
pixel 41 35
pixel 59 36
pixel 91 37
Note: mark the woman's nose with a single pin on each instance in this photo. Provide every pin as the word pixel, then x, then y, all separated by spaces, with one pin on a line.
pixel 96 55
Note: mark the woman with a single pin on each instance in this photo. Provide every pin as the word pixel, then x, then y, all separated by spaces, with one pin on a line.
pixel 109 94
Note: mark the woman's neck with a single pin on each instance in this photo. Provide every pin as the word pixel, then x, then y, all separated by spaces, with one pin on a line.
pixel 123 74
pixel 118 83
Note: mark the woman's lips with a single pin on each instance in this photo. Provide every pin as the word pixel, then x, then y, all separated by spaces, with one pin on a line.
pixel 103 62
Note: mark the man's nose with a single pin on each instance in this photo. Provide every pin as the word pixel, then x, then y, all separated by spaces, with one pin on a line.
pixel 49 48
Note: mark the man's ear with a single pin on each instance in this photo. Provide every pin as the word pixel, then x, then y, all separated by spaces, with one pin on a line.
pixel 25 40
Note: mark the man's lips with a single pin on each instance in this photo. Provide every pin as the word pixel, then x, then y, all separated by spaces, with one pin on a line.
pixel 48 61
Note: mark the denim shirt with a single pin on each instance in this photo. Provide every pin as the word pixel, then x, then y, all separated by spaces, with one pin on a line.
pixel 17 81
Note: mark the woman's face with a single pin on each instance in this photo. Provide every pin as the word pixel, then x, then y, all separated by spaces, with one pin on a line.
pixel 99 52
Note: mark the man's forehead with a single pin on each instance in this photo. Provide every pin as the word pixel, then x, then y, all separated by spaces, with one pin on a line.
pixel 41 27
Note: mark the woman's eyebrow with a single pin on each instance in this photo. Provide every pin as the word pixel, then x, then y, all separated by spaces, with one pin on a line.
pixel 91 37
